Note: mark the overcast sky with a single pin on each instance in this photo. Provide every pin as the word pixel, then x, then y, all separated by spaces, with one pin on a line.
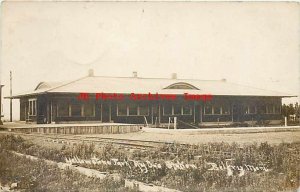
pixel 254 44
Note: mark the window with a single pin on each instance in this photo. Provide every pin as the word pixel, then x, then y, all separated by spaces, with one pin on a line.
pixel 245 109
pixel 133 109
pixel 63 109
pixel 186 110
pixel 270 109
pixel 250 109
pixel 32 107
pixel 168 110
pixel 273 109
pixel 263 109
pixel 225 110
pixel 122 109
pixel 217 110
pixel 76 109
pixel 143 110
pixel 89 109
pixel 277 109
pixel 176 109
pixel 208 109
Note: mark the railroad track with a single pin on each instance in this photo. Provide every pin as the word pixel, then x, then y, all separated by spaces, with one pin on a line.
pixel 124 143
pixel 128 143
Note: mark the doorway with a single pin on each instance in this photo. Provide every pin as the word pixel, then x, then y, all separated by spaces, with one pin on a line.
pixel 236 113
pixel 106 112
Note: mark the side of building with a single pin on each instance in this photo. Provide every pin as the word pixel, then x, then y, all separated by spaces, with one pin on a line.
pixel 229 104
pixel 66 108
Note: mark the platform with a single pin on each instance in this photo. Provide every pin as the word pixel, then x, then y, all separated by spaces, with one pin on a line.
pixel 91 128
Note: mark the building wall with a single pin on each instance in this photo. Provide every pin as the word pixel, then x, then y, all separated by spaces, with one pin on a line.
pixel 71 104
pixel 242 109
pixel 23 103
pixel 68 108
pixel 28 109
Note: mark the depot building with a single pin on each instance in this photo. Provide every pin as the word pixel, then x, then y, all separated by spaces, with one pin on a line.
pixel 229 103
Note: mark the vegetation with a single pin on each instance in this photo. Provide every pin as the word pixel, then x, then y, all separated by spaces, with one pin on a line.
pixel 281 160
pixel 291 110
pixel 28 175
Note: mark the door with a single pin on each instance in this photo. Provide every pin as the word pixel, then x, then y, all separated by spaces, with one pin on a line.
pixel 106 112
pixel 41 111
pixel 236 113
pixel 155 115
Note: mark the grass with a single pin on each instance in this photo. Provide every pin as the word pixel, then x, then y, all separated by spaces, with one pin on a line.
pixel 40 176
pixel 282 160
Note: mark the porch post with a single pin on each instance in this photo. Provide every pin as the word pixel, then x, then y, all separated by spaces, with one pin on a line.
pixel 51 111
pixel 194 112
pixel 159 114
pixel 151 113
pixel 48 112
pixel 232 112
pixel 200 108
pixel 109 111
pixel 101 111
pixel 1 123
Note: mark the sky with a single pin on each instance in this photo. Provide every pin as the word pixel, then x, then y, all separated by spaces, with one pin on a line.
pixel 250 43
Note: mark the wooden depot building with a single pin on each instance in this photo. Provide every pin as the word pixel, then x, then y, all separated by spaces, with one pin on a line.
pixel 136 100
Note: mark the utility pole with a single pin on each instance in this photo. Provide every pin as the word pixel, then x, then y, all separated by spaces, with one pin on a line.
pixel 10 91
pixel 1 123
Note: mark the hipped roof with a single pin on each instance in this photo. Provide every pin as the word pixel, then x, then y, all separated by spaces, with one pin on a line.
pixel 127 85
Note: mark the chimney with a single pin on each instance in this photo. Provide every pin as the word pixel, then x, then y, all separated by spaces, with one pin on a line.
pixel 91 73
pixel 174 76
pixel 134 74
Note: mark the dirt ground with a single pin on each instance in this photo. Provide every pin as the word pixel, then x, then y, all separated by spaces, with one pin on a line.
pixel 194 137
pixel 249 135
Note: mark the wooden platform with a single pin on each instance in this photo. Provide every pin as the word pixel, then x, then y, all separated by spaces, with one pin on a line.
pixel 99 128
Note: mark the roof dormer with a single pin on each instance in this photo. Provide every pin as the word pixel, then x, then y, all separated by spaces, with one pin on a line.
pixel 181 85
